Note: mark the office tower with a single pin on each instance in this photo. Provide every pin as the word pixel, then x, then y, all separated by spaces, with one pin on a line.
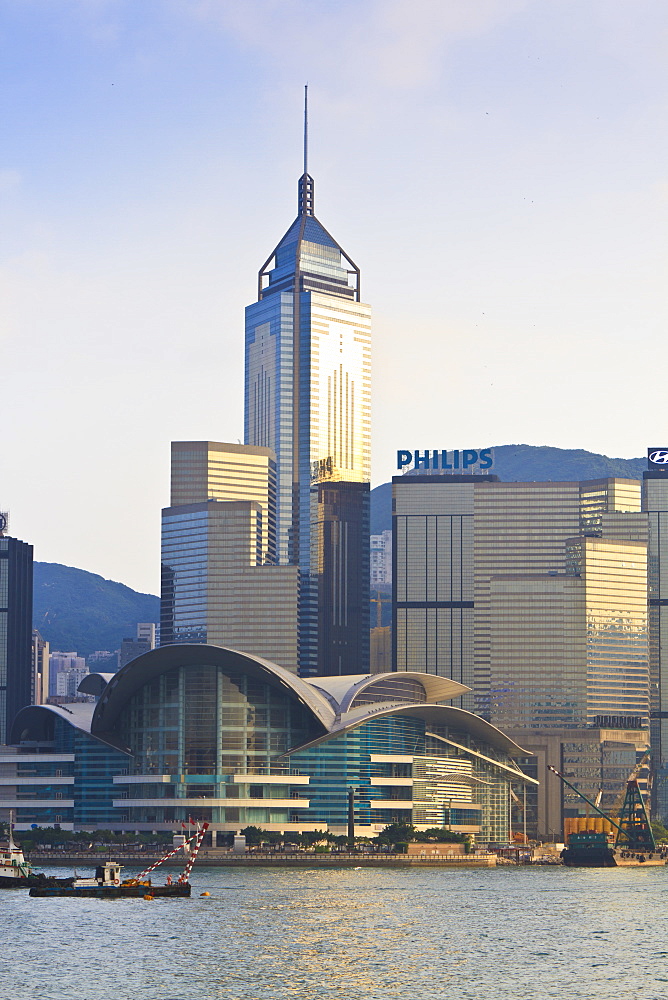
pixel 307 397
pixel 15 627
pixel 655 503
pixel 432 546
pixel 535 595
pixel 493 581
pixel 212 470
pixel 341 532
pixel 146 633
pixel 132 647
pixel 39 685
pixel 220 583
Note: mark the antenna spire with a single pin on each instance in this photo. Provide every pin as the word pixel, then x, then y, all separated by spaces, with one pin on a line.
pixel 306 128
pixel 305 199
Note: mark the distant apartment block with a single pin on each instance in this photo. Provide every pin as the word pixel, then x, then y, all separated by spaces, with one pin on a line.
pixel 381 559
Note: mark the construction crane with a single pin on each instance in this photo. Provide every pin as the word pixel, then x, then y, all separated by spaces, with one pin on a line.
pixel 615 809
pixel 379 601
pixel 633 828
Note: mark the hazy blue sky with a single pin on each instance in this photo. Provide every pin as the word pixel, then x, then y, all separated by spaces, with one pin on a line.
pixel 497 168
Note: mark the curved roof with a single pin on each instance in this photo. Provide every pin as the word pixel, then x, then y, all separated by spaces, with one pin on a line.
pixel 443 715
pixel 343 690
pixel 94 684
pixel 144 668
pixel 36 718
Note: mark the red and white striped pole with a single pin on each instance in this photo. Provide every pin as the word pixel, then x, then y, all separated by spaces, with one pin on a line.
pixel 171 854
pixel 199 837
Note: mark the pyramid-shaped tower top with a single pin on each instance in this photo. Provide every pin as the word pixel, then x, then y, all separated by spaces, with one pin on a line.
pixel 308 258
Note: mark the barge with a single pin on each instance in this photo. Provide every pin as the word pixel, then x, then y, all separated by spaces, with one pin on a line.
pixel 634 843
pixel 107 884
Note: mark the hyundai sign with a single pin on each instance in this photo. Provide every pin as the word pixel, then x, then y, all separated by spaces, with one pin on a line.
pixel 657 458
pixel 468 460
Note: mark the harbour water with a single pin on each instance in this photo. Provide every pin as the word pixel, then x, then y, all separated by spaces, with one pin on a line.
pixel 515 933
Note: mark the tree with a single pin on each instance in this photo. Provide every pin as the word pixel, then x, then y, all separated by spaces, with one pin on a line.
pixel 255 835
pixel 442 835
pixel 660 832
pixel 397 833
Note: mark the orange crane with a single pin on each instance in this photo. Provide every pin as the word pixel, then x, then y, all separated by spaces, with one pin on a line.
pixel 379 601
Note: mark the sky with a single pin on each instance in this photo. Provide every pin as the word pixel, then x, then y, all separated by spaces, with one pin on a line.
pixel 497 169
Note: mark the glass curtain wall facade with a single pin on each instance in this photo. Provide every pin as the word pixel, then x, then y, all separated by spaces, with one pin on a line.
pixel 215 587
pixel 433 596
pixel 655 503
pixel 200 732
pixel 341 530
pixel 205 742
pixel 213 470
pixel 16 576
pixel 307 392
pixel 531 593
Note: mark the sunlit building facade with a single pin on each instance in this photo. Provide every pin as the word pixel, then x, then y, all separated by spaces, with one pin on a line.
pixel 308 398
pixel 203 732
pixel 220 582
pixel 534 595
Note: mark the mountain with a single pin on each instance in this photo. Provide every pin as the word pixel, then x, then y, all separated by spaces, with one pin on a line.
pixel 76 610
pixel 526 463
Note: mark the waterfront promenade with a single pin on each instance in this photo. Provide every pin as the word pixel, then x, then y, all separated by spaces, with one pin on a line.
pixel 274 859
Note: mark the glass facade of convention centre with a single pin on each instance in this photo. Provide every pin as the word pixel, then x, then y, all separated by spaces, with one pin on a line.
pixel 203 732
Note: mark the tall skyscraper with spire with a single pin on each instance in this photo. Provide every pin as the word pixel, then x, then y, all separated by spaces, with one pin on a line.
pixel 308 398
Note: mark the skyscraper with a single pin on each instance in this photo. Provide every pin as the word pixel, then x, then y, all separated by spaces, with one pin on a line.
pixel 655 503
pixel 15 627
pixel 308 398
pixel 220 581
pixel 535 595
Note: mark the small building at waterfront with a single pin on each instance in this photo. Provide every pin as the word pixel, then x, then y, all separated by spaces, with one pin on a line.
pixel 208 733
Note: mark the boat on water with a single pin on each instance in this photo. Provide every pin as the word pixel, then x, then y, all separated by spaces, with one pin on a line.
pixel 16 872
pixel 634 844
pixel 107 883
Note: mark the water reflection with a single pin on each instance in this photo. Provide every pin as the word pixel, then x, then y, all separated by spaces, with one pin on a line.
pixel 525 934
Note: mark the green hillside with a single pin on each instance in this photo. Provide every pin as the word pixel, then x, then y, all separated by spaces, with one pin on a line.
pixel 526 463
pixel 76 610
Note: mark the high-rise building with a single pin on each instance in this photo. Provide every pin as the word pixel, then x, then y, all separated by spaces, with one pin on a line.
pixel 134 646
pixel 65 663
pixel 220 583
pixel 534 595
pixel 380 568
pixel 308 398
pixel 146 632
pixel 15 627
pixel 655 503
pixel 39 686
pixel 496 583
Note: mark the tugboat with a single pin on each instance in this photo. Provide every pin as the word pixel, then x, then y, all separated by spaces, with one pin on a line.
pixel 107 884
pixel 16 872
pixel 634 844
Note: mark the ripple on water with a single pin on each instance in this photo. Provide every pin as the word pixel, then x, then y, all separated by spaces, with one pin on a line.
pixel 529 934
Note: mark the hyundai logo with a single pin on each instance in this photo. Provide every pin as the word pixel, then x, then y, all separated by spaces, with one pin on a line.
pixel 658 457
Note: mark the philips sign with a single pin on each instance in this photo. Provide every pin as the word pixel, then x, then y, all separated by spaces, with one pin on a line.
pixel 468 460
